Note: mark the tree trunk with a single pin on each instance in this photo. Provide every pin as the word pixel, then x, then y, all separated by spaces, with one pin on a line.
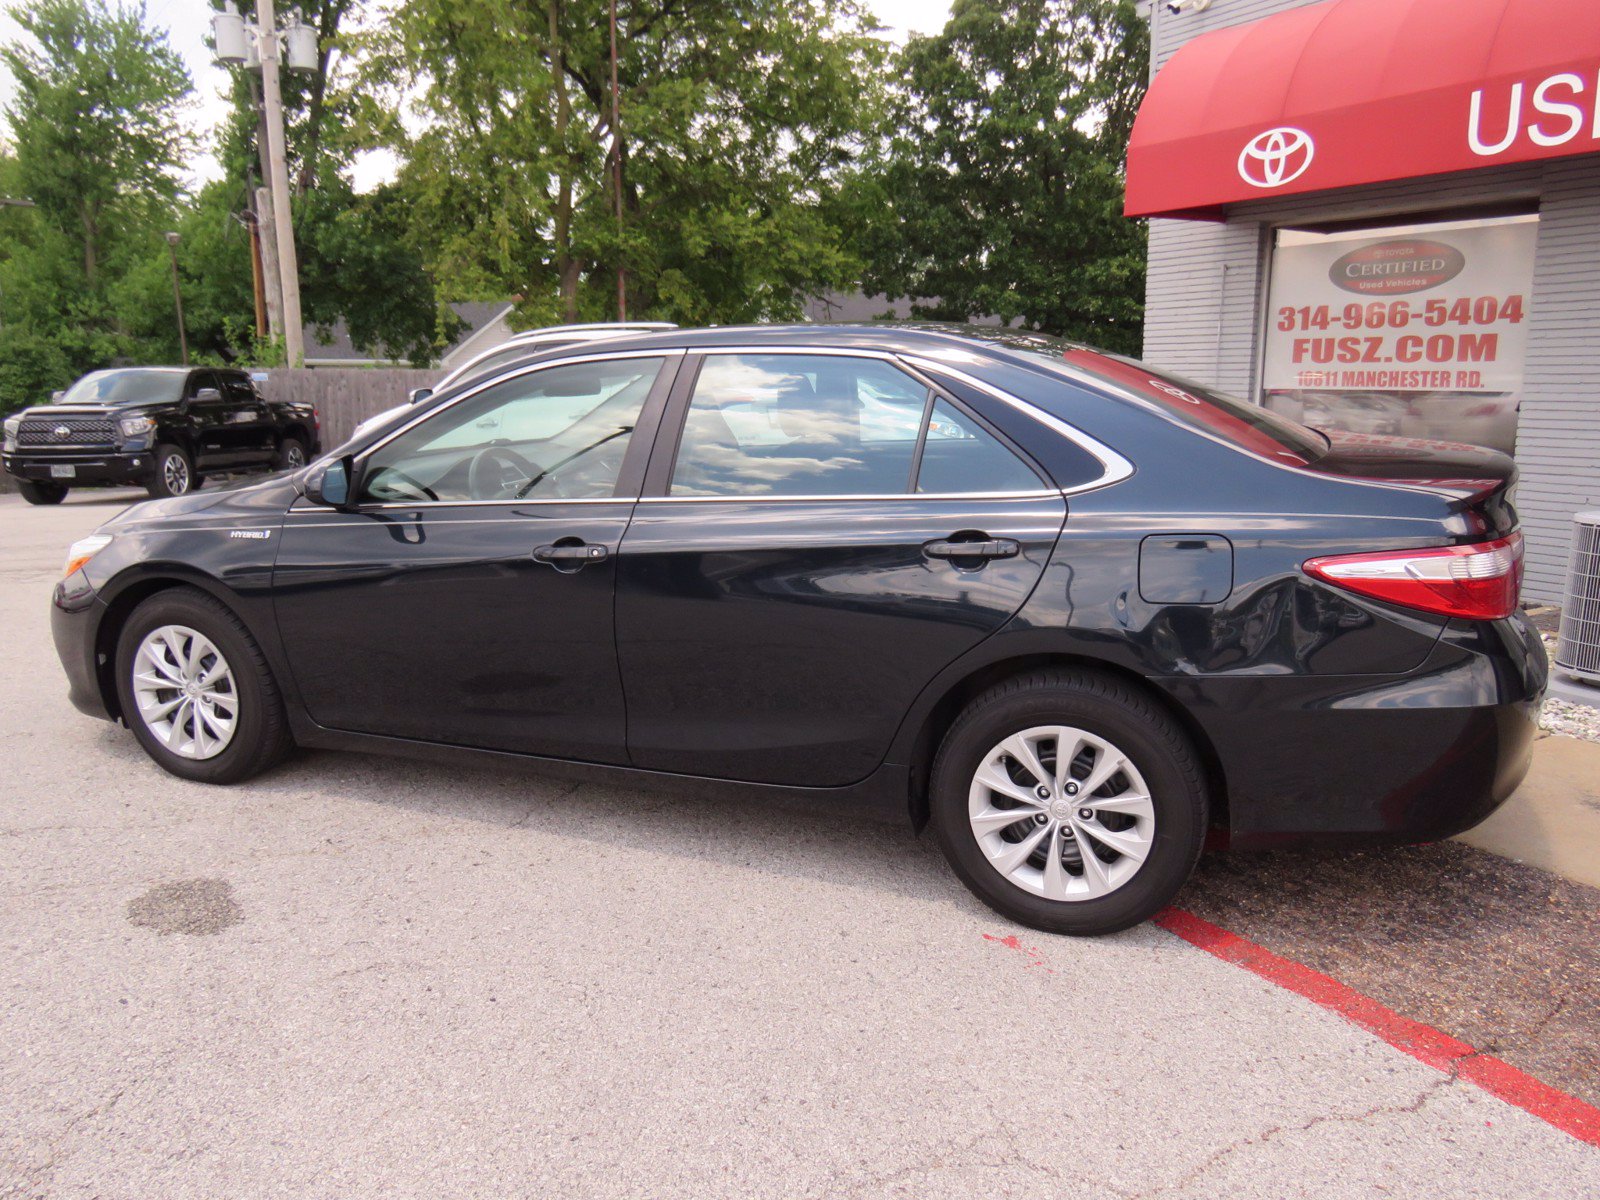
pixel 91 238
pixel 566 265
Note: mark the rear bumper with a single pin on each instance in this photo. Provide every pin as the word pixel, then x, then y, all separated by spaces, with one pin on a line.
pixel 89 468
pixel 1413 758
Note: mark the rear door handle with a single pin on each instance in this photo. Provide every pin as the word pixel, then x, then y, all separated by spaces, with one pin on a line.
pixel 571 554
pixel 981 548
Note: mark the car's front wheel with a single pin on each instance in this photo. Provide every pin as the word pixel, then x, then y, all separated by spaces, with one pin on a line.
pixel 197 691
pixel 36 492
pixel 1069 802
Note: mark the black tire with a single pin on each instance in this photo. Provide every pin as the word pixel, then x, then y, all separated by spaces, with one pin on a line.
pixel 173 472
pixel 1107 708
pixel 288 450
pixel 261 738
pixel 38 491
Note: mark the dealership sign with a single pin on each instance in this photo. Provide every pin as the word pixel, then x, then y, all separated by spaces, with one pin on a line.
pixel 1339 94
pixel 1446 312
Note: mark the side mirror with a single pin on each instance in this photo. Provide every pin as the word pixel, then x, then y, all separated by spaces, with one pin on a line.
pixel 55 396
pixel 329 484
pixel 207 396
pixel 418 395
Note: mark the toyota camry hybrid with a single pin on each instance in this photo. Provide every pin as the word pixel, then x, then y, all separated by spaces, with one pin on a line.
pixel 1075 613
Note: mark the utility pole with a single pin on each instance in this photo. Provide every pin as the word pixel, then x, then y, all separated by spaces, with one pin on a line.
pixel 177 298
pixel 267 43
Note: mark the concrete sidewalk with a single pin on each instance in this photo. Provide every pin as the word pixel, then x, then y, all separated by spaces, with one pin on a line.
pixel 1553 821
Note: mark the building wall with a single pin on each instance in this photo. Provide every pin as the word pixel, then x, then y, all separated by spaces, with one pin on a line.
pixel 1205 289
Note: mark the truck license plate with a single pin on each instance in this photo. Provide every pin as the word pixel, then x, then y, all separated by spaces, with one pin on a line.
pixel 63 472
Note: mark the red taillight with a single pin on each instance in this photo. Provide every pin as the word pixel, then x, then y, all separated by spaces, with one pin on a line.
pixel 1480 582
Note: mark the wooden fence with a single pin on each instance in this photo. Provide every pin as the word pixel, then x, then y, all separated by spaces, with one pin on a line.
pixel 345 396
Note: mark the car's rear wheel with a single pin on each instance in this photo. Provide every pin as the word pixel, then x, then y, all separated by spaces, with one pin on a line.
pixel 197 691
pixel 174 472
pixel 1069 802
pixel 291 454
pixel 36 491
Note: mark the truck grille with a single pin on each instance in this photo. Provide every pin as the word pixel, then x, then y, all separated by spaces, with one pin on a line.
pixel 1578 647
pixel 80 431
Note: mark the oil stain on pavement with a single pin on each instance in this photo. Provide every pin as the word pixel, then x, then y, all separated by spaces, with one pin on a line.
pixel 194 906
pixel 1497 954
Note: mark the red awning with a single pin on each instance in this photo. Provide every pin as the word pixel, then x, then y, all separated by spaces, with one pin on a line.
pixel 1362 91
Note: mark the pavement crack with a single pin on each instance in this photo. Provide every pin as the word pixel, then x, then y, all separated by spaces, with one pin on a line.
pixel 1261 1138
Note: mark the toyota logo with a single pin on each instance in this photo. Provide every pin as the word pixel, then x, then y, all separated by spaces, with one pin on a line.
pixel 62 431
pixel 1276 157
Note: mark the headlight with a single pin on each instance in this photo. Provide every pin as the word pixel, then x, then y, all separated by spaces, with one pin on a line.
pixel 83 550
pixel 134 426
pixel 13 425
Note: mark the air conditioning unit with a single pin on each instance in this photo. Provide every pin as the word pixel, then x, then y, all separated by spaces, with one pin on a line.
pixel 1578 646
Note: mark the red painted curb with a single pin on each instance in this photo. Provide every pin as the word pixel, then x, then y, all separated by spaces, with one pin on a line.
pixel 1422 1042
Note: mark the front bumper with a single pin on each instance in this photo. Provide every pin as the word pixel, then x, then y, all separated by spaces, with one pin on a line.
pixel 75 615
pixel 1412 758
pixel 90 468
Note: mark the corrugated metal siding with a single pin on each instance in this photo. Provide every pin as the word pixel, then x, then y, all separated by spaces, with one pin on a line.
pixel 1200 301
pixel 1558 432
pixel 1170 30
pixel 1206 279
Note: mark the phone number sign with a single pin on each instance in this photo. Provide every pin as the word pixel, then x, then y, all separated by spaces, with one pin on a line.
pixel 1445 312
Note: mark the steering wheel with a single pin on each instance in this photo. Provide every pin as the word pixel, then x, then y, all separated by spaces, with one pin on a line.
pixel 392 481
pixel 489 475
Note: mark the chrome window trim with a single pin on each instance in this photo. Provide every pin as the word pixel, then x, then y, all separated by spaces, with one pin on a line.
pixel 528 341
pixel 515 373
pixel 1116 467
pixel 1042 494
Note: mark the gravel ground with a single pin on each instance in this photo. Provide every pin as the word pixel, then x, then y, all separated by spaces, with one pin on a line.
pixel 1573 720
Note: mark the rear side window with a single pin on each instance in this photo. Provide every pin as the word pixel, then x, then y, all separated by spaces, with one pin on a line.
pixel 789 425
pixel 1245 425
pixel 960 456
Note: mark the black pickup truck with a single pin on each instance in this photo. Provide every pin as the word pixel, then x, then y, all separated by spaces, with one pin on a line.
pixel 161 428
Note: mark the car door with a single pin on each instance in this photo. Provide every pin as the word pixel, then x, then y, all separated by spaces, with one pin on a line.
pixel 466 596
pixel 820 535
pixel 248 430
pixel 206 410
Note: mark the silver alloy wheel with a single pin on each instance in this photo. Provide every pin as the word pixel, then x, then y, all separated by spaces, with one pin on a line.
pixel 294 458
pixel 185 692
pixel 1061 813
pixel 175 474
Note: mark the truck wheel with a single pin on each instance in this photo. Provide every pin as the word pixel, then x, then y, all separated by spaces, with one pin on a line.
pixel 291 454
pixel 39 492
pixel 173 474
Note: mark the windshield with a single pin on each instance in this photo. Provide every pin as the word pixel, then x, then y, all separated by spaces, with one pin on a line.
pixel 126 387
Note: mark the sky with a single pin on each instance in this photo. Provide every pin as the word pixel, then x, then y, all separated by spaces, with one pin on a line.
pixel 188 23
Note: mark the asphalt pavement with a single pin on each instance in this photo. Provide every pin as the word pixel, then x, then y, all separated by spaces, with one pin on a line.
pixel 359 976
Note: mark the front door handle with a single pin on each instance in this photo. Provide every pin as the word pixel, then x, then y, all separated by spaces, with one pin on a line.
pixel 571 554
pixel 977 548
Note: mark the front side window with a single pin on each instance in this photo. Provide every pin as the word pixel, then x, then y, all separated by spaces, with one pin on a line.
pixel 776 425
pixel 558 433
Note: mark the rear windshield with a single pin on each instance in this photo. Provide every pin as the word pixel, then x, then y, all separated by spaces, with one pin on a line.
pixel 126 387
pixel 1245 425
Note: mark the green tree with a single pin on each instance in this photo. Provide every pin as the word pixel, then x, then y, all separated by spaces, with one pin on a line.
pixel 97 122
pixel 356 260
pixel 97 141
pixel 738 119
pixel 999 190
